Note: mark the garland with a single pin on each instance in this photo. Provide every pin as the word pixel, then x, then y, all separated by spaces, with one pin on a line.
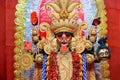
pixel 53 68
pixel 19 36
pixel 77 66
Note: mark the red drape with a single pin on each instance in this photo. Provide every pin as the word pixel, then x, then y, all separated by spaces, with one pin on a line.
pixel 7 10
pixel 113 14
pixel 2 40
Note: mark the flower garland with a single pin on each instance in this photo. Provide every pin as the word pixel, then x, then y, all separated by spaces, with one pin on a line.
pixel 53 68
pixel 77 66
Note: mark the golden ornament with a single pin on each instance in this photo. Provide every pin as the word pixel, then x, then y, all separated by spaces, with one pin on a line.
pixel 80 48
pixel 39 58
pixel 16 65
pixel 26 61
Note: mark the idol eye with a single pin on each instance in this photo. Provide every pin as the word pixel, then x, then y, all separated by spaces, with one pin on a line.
pixel 106 52
pixel 101 54
pixel 59 34
pixel 67 34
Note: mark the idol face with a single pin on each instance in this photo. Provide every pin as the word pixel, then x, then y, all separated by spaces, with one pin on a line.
pixel 64 38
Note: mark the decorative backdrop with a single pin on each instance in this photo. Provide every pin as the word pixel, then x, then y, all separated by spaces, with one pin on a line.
pixel 7 37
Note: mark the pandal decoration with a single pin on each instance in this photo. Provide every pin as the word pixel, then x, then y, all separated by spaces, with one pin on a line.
pixel 36 56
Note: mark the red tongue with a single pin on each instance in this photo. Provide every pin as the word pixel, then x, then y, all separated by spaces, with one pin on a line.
pixel 63 49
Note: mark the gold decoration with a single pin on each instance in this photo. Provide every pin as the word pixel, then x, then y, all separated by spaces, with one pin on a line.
pixel 26 61
pixel 17 73
pixel 18 42
pixel 88 45
pixel 80 48
pixel 103 32
pixel 45 27
pixel 54 45
pixel 17 50
pixel 48 48
pixel 106 73
pixel 16 57
pixel 93 35
pixel 20 7
pixel 16 65
pixel 39 45
pixel 18 21
pixel 80 40
pixel 39 58
pixel 73 44
pixel 104 66
pixel 101 13
pixel 105 69
pixel 35 38
pixel 64 18
pixel 16 78
pixel 19 36
pixel 90 58
pixel 22 1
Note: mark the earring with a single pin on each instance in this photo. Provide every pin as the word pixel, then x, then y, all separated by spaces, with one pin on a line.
pixel 54 45
pixel 73 44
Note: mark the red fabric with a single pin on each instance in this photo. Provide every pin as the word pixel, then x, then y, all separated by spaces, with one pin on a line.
pixel 113 15
pixel 7 11
pixel 7 37
pixel 2 40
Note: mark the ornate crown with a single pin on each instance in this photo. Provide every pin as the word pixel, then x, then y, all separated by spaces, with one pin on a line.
pixel 63 15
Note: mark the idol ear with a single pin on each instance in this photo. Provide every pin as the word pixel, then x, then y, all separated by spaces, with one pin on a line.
pixel 54 45
pixel 73 44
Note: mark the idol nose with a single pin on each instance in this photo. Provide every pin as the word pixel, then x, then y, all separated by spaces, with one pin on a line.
pixel 63 37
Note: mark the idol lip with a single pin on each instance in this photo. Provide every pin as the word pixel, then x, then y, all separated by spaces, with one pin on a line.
pixel 64 42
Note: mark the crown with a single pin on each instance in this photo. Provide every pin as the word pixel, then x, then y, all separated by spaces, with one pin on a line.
pixel 63 15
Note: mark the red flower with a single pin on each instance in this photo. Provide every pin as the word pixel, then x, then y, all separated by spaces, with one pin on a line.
pixel 76 66
pixel 83 33
pixel 96 21
pixel 42 34
pixel 34 18
pixel 28 45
